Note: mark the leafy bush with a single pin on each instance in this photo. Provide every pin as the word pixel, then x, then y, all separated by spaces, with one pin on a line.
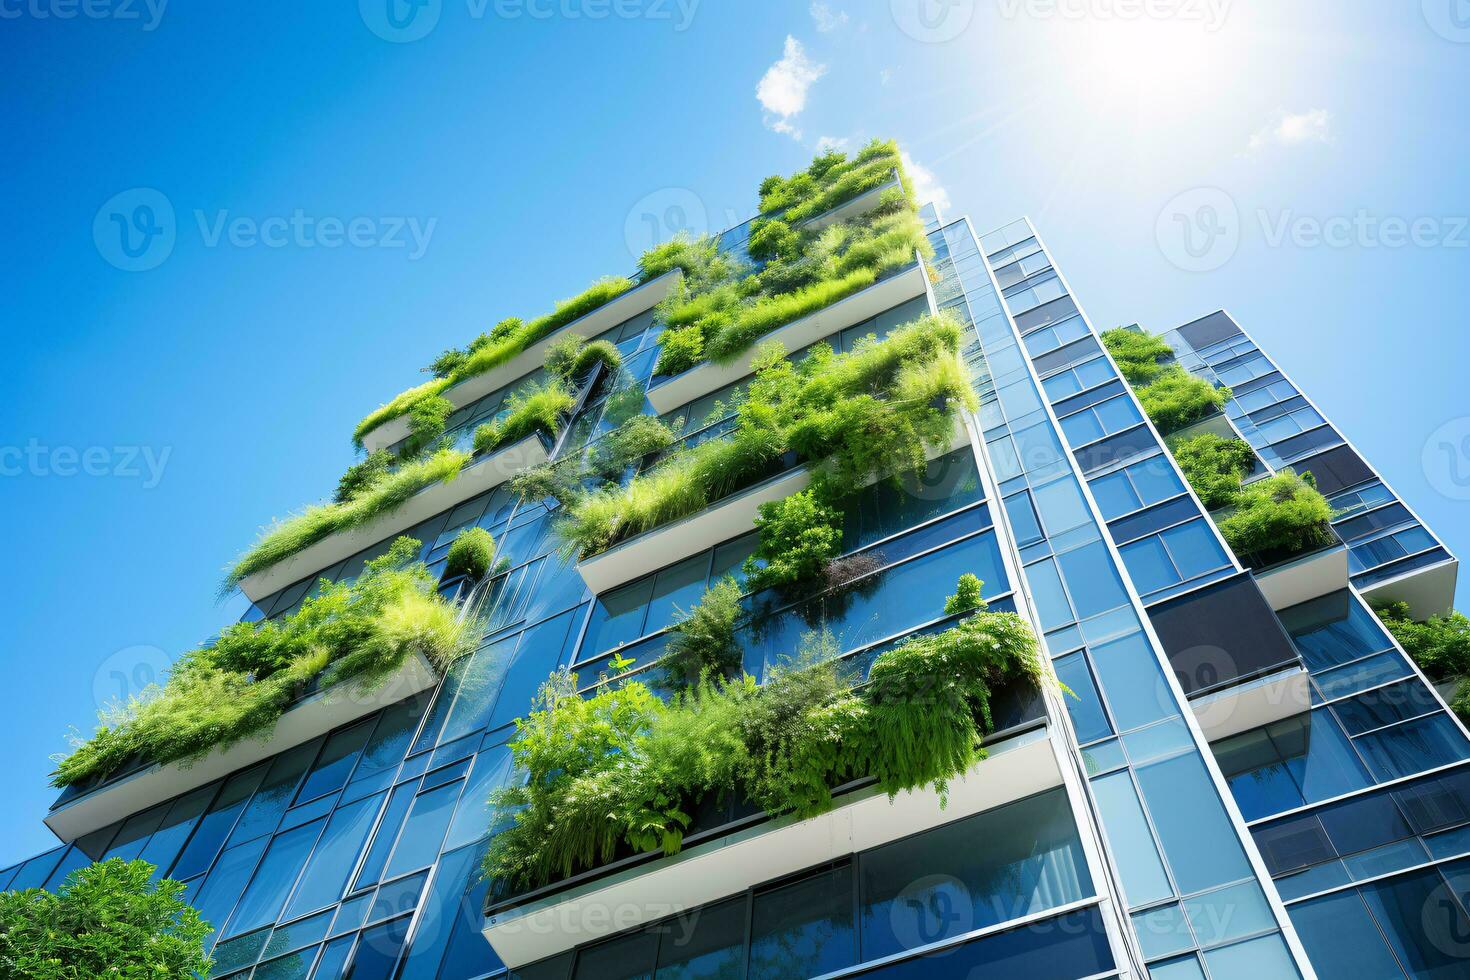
pixel 426 418
pixel 967 596
pixel 1440 644
pixel 702 643
pixel 400 405
pixel 1139 354
pixel 362 475
pixel 771 312
pixel 1214 466
pixel 799 535
pixel 533 408
pixel 294 535
pixel 359 632
pixel 1283 514
pixel 639 437
pixel 471 555
pixel 1177 398
pixel 571 357
pixel 106 920
pixel 829 181
pixel 680 350
pixel 621 769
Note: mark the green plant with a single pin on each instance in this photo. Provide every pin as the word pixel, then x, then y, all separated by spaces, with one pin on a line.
pixel 471 554
pixel 295 534
pixel 799 535
pixel 639 437
pixel 1281 514
pixel 426 418
pixel 532 408
pixel 1214 466
pixel 1139 354
pixel 359 632
pixel 1176 398
pixel 680 350
pixel 620 769
pixel 452 359
pixel 967 596
pixel 702 643
pixel 106 920
pixel 362 475
pixel 769 312
pixel 1439 644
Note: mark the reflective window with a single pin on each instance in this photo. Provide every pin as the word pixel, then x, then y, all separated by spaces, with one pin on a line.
pixel 803 929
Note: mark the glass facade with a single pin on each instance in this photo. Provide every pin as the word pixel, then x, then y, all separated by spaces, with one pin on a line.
pixel 1309 844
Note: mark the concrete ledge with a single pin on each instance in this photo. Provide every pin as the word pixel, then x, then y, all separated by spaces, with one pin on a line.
pixel 1301 579
pixel 1253 704
pixel 637 300
pixel 1429 591
pixel 707 872
pixel 310 718
pixel 858 206
pixel 479 475
pixel 709 376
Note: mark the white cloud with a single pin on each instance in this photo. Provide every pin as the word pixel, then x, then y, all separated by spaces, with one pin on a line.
pixel 1295 128
pixel 782 89
pixel 826 143
pixel 826 18
pixel 926 186
pixel 885 76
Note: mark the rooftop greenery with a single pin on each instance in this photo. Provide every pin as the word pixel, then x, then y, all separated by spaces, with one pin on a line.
pixel 1440 645
pixel 621 769
pixel 355 634
pixel 106 920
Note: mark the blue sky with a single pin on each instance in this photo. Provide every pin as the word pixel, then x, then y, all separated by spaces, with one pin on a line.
pixel 350 199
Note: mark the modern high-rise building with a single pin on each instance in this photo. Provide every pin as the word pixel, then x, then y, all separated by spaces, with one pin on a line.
pixel 1235 774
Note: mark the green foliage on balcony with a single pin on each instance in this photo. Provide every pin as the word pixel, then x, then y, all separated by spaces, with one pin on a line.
pixel 106 920
pixel 362 475
pixel 799 536
pixel 572 356
pixel 1214 466
pixel 1440 645
pixel 872 412
pixel 1171 396
pixel 533 408
pixel 1277 517
pixel 386 493
pixel 489 351
pixel 621 770
pixel 722 310
pixel 471 555
pixel 355 634
pixel 702 643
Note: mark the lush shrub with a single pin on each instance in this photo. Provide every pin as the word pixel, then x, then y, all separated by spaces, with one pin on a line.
pixel 400 405
pixel 426 419
pixel 830 180
pixel 1214 466
pixel 359 632
pixel 1440 644
pixel 362 475
pixel 471 555
pixel 769 313
pixel 967 596
pixel 1281 515
pixel 453 359
pixel 680 350
pixel 106 920
pixel 1176 398
pixel 636 439
pixel 571 357
pixel 532 408
pixel 799 535
pixel 702 643
pixel 1139 354
pixel 294 535
pixel 621 769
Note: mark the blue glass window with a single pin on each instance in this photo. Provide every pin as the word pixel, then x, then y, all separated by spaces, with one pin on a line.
pixel 334 857
pixel 804 928
pixel 1144 878
pixel 1192 825
pixel 1088 718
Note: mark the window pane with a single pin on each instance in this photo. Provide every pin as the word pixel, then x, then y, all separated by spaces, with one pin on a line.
pixel 1086 710
pixel 418 845
pixel 335 857
pixel 1341 938
pixel 274 878
pixel 803 929
pixel 1132 682
pixel 335 763
pixel 705 944
pixel 377 952
pixel 1143 874
pixel 265 809
pixel 625 958
pixel 1197 836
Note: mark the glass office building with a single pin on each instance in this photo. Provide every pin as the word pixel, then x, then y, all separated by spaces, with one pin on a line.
pixel 1244 778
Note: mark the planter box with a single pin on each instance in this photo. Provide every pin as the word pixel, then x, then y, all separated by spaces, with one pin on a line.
pixel 1255 703
pixel 479 475
pixel 311 717
pixel 637 300
pixel 704 378
pixel 707 872
pixel 858 206
pixel 1429 591
pixel 721 521
pixel 1297 580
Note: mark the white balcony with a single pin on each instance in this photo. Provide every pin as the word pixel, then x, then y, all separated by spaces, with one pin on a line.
pixel 719 522
pixel 1255 703
pixel 715 869
pixel 1297 580
pixel 637 300
pixel 478 476
pixel 709 376
pixel 855 208
pixel 312 717
pixel 1429 591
